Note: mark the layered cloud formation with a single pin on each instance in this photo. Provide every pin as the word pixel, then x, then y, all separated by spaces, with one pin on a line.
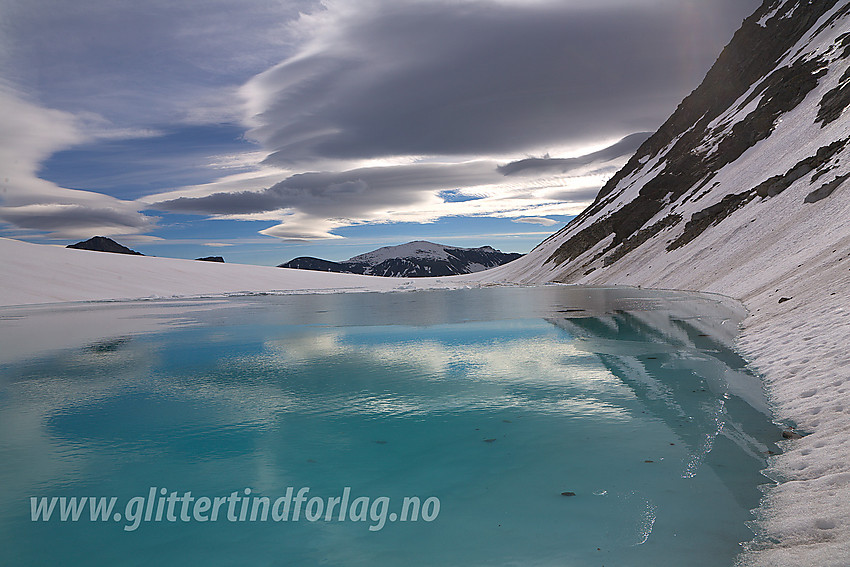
pixel 30 134
pixel 352 111
pixel 382 78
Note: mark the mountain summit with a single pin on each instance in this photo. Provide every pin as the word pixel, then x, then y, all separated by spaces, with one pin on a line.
pixel 103 244
pixel 414 259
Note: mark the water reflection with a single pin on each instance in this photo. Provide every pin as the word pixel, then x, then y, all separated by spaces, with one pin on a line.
pixel 688 377
pixel 498 400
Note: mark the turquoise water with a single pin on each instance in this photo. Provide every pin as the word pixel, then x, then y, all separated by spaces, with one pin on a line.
pixel 535 426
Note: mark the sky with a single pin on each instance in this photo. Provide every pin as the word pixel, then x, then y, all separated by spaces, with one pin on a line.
pixel 262 130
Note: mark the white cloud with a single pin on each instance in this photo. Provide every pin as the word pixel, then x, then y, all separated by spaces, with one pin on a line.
pixel 304 227
pixel 311 205
pixel 30 135
pixel 543 221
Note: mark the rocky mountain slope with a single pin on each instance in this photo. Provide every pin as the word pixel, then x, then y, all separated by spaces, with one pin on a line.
pixel 103 244
pixel 763 139
pixel 414 259
pixel 745 191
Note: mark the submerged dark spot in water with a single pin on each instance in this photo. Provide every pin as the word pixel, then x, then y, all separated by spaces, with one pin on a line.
pixel 489 440
pixel 110 345
pixel 568 493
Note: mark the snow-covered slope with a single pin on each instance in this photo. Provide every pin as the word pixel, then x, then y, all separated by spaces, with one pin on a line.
pixel 36 273
pixel 745 191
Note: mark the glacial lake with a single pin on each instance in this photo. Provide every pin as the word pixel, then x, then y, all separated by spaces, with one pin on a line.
pixel 538 426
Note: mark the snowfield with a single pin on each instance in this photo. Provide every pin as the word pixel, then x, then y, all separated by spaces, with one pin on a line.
pixel 35 273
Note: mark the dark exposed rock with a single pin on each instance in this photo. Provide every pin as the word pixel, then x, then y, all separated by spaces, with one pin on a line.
pixel 823 171
pixel 826 189
pixel 103 244
pixel 211 259
pixel 784 299
pixel 779 183
pixel 709 216
pixel 835 101
pixel 319 265
pixel 642 236
pixel 582 241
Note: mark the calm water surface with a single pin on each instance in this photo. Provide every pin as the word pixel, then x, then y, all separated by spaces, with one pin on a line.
pixel 535 426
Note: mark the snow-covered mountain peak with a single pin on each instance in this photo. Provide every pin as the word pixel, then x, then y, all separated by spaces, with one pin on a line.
pixel 415 249
pixel 413 259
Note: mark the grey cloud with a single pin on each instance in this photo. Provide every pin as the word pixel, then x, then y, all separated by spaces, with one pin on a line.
pixel 575 195
pixel 625 147
pixel 342 194
pixel 136 62
pixel 442 78
pixel 543 221
pixel 77 219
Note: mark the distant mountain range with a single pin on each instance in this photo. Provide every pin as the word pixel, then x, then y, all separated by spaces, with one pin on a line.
pixel 411 260
pixel 104 244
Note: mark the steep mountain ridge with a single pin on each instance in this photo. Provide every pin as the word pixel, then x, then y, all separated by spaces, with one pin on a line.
pixel 745 191
pixel 748 133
